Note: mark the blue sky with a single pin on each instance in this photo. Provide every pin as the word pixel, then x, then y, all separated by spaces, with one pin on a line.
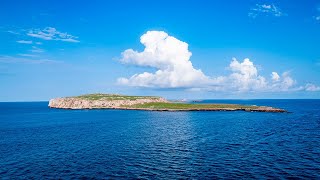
pixel 62 48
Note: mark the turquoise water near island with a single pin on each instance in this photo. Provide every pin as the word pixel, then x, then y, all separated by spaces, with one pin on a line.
pixel 37 142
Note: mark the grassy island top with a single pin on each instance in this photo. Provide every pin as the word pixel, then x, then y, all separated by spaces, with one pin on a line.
pixel 186 106
pixel 110 97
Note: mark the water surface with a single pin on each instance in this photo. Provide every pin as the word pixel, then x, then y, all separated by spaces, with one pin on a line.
pixel 39 142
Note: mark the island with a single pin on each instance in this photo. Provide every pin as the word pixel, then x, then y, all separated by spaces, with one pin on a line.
pixel 150 103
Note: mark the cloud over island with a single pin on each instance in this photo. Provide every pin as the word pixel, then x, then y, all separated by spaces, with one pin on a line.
pixel 171 58
pixel 167 54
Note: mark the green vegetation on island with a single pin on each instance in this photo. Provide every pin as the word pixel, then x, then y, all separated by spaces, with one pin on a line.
pixel 186 106
pixel 111 97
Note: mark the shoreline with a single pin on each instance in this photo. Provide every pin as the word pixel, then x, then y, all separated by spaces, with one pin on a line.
pixel 262 109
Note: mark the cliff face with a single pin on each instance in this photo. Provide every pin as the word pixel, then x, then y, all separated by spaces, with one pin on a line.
pixel 78 103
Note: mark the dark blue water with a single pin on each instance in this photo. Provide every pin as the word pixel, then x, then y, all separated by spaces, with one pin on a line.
pixel 38 142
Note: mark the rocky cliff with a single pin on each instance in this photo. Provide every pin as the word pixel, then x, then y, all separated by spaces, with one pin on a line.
pixel 87 103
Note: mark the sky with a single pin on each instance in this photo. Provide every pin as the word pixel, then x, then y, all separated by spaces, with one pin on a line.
pixel 217 49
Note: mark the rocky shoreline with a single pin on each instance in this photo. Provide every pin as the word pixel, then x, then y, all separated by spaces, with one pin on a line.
pixel 260 109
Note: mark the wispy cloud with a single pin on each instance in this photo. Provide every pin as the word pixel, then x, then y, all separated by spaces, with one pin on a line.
pixel 312 87
pixel 13 32
pixel 39 43
pixel 317 15
pixel 50 33
pixel 12 59
pixel 24 42
pixel 265 9
pixel 36 50
pixel 28 55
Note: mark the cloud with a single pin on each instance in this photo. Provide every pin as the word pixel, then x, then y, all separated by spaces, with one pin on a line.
pixel 36 50
pixel 317 17
pixel 50 33
pixel 312 87
pixel 13 32
pixel 171 59
pixel 38 43
pixel 28 55
pixel 167 54
pixel 284 83
pixel 275 76
pixel 265 9
pixel 24 42
pixel 244 76
pixel 11 59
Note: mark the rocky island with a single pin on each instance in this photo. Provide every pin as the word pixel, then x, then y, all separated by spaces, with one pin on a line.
pixel 151 103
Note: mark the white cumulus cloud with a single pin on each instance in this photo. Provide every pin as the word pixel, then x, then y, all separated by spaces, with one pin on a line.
pixel 245 76
pixel 170 56
pixel 284 83
pixel 171 59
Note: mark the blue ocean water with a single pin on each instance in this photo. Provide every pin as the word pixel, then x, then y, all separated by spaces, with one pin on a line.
pixel 37 142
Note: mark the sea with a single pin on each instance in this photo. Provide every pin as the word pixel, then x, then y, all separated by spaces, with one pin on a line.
pixel 37 142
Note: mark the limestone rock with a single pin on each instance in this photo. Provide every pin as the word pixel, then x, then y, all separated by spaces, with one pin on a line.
pixel 78 103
